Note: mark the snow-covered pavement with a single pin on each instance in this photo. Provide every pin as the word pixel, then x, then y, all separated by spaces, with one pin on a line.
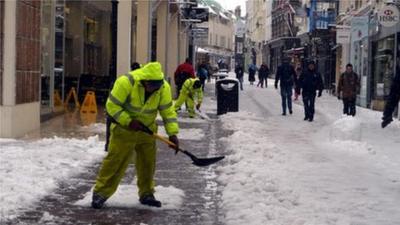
pixel 30 170
pixel 283 170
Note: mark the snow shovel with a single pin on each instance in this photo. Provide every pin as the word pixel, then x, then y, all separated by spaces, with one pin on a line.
pixel 196 161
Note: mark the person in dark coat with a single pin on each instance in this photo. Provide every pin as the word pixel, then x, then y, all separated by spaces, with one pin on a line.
pixel 263 73
pixel 285 75
pixel 183 72
pixel 202 74
pixel 348 88
pixel 252 73
pixel 392 101
pixel 310 81
pixel 239 74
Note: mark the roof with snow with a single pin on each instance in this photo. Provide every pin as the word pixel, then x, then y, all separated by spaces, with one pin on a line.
pixel 216 9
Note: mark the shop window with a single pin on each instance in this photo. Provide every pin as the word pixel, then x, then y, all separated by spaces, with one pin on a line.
pixel 383 67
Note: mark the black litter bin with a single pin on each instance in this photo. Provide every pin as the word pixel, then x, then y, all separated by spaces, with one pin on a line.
pixel 227 95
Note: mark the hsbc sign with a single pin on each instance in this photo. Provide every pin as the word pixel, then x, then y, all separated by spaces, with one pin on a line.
pixel 389 16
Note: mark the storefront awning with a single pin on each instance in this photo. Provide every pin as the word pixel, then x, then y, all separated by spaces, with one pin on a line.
pixel 202 50
pixel 294 50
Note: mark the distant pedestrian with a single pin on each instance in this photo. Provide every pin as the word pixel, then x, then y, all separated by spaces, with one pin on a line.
pixel 285 75
pixel 252 73
pixel 182 73
pixel 348 88
pixel 239 74
pixel 263 73
pixel 202 74
pixel 392 101
pixel 310 81
pixel 296 83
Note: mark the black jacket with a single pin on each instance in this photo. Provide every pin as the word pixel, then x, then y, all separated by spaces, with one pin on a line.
pixel 393 97
pixel 286 75
pixel 263 72
pixel 239 72
pixel 310 82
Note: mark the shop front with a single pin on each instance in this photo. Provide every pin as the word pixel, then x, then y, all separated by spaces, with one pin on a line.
pixel 278 50
pixel 76 50
pixel 386 54
pixel 383 68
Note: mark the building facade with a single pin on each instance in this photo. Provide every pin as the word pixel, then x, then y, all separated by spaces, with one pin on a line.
pixel 50 46
pixel 217 46
pixel 371 46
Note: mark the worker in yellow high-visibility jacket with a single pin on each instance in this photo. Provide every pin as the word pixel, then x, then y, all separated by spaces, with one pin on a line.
pixel 134 102
pixel 191 91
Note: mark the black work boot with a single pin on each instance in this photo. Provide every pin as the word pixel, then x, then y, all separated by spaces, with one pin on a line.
pixel 150 200
pixel 98 201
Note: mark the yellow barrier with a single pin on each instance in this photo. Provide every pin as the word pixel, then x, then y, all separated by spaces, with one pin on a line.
pixel 89 104
pixel 57 98
pixel 72 94
pixel 58 105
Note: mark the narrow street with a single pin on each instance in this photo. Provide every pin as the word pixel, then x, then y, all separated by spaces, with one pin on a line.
pixel 335 170
pixel 278 170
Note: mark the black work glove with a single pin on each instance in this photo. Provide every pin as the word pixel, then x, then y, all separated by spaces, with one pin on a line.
pixel 174 139
pixel 319 94
pixel 386 121
pixel 338 97
pixel 276 86
pixel 136 125
pixel 198 106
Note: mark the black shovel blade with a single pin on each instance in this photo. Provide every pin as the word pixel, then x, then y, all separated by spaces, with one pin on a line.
pixel 203 161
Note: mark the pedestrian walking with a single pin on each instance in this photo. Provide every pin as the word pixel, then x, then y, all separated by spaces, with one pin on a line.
pixel 239 74
pixel 310 81
pixel 296 83
pixel 392 101
pixel 263 73
pixel 202 74
pixel 134 66
pixel 252 73
pixel 285 75
pixel 191 94
pixel 183 72
pixel 348 88
pixel 134 102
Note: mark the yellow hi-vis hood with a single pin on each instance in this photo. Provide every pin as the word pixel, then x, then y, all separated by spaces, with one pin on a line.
pixel 150 71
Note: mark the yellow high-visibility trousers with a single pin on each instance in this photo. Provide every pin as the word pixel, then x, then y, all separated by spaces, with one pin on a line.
pixel 123 144
pixel 190 106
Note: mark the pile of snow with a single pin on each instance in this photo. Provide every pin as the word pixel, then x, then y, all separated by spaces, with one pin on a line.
pixel 126 196
pixel 253 192
pixel 346 128
pixel 31 170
